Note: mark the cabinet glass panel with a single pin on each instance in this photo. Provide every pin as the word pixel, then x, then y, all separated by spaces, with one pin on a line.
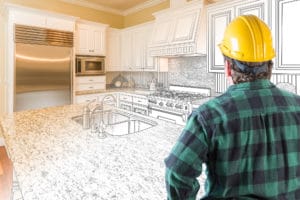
pixel 289 32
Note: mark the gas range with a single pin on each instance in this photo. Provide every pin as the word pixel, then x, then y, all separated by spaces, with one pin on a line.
pixel 175 104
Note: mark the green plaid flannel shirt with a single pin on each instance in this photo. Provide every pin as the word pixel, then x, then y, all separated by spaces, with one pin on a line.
pixel 249 139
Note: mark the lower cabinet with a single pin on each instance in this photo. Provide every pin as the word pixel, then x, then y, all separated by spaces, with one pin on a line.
pixel 86 98
pixel 140 105
pixel 133 102
pixel 125 101
pixel 84 83
pixel 106 98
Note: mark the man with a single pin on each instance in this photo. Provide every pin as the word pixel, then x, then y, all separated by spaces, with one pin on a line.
pixel 249 137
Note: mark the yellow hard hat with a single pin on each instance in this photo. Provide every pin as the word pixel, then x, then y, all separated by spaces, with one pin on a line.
pixel 247 38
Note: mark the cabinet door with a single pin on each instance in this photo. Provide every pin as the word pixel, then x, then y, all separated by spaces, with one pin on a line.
pixel 218 21
pixel 85 98
pixel 82 40
pixel 138 49
pixel 287 34
pixel 141 59
pixel 97 41
pixel 150 64
pixel 90 40
pixel 113 58
pixel 126 53
pixel 185 27
pixel 259 9
pixel 160 35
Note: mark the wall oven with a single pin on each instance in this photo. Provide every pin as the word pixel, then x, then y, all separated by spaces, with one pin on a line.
pixel 90 65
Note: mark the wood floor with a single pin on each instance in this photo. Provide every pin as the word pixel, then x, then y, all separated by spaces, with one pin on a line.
pixel 6 175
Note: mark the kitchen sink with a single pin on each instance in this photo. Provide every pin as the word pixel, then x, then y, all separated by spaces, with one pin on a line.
pixel 120 123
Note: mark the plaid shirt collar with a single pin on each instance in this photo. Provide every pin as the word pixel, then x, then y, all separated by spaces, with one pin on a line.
pixel 254 85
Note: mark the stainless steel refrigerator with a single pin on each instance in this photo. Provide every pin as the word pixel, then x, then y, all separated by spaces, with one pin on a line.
pixel 43 60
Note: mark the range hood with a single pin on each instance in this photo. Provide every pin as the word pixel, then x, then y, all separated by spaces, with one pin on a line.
pixel 179 30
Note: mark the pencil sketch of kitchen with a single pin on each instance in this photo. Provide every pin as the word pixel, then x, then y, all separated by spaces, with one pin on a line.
pixel 129 94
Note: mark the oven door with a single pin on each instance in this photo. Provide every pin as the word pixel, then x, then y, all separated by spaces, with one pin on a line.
pixel 177 118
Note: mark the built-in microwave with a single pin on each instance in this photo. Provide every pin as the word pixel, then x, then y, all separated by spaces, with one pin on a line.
pixel 90 65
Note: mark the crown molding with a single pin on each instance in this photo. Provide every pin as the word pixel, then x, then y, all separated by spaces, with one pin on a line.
pixel 134 9
pixel 95 6
pixel 142 6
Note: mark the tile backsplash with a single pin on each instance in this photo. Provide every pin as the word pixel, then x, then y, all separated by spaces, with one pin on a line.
pixel 183 71
pixel 191 71
pixel 140 79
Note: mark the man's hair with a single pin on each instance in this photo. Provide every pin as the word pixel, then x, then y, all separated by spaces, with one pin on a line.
pixel 239 76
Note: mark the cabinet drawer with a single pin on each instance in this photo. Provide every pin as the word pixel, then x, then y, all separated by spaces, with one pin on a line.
pixel 93 86
pixel 124 97
pixel 140 100
pixel 85 98
pixel 90 79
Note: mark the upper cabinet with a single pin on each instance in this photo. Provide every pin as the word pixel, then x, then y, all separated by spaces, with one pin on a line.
pixel 286 35
pixel 91 38
pixel 113 55
pixel 128 49
pixel 219 15
pixel 37 18
pixel 177 31
pixel 140 57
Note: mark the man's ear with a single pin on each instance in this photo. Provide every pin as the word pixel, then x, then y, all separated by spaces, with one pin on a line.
pixel 227 68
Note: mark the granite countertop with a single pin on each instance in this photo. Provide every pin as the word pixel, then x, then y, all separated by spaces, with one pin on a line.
pixel 111 90
pixel 54 158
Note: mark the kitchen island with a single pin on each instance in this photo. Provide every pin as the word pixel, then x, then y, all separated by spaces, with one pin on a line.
pixel 54 158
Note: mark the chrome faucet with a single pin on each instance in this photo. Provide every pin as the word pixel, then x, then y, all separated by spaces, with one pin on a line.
pixel 97 123
pixel 93 117
pixel 106 96
pixel 86 115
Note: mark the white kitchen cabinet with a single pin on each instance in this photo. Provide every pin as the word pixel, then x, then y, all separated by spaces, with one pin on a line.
pixel 85 83
pixel 177 31
pixel 91 38
pixel 134 48
pixel 134 102
pixel 286 35
pixel 161 30
pixel 126 50
pixel 86 98
pixel 125 101
pixel 141 59
pixel 219 15
pixel 32 17
pixel 113 56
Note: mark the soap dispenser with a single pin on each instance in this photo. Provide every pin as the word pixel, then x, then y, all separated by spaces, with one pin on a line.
pixel 153 85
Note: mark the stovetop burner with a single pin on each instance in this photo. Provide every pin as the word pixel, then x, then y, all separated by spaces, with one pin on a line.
pixel 177 95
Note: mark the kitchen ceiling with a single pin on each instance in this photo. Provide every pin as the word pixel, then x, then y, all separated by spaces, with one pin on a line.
pixel 121 5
